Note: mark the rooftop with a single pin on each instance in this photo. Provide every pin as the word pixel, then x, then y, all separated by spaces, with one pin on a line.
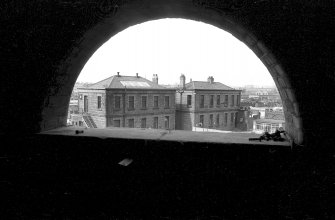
pixel 129 82
pixel 204 85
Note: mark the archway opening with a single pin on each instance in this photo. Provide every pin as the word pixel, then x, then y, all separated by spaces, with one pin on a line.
pixel 228 87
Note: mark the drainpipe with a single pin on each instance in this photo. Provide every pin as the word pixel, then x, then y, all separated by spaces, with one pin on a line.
pixel 180 91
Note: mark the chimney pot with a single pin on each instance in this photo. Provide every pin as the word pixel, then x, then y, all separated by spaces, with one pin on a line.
pixel 155 78
pixel 182 81
pixel 210 79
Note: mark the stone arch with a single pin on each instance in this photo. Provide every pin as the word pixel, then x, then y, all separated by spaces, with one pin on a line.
pixel 117 17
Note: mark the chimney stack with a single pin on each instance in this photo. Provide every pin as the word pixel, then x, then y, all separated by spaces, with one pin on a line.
pixel 190 79
pixel 182 81
pixel 137 75
pixel 155 78
pixel 118 74
pixel 210 79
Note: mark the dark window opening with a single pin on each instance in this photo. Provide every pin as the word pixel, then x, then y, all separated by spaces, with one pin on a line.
pixel 131 103
pixel 117 123
pixel 210 120
pixel 117 103
pixel 201 121
pixel 155 101
pixel 131 123
pixel 211 103
pixel 167 122
pixel 143 123
pixel 189 101
pixel 202 101
pixel 218 100
pixel 167 101
pixel 99 102
pixel 144 102
pixel 155 125
pixel 85 103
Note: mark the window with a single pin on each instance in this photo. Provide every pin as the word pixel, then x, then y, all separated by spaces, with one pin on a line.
pixel 167 122
pixel 210 120
pixel 211 103
pixel 238 100
pixel 99 102
pixel 232 100
pixel 131 123
pixel 201 120
pixel 144 102
pixel 225 119
pixel 117 103
pixel 155 125
pixel 226 100
pixel 166 101
pixel 131 103
pixel 85 103
pixel 189 101
pixel 202 101
pixel 217 120
pixel 155 101
pixel 143 123
pixel 232 117
pixel 117 123
pixel 218 100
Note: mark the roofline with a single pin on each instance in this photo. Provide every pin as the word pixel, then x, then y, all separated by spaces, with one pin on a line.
pixel 164 89
pixel 92 88
pixel 103 80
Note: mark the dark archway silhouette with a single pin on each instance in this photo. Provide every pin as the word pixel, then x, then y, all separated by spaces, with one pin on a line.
pixel 132 13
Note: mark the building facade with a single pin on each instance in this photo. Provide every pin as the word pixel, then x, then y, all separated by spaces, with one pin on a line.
pixel 273 120
pixel 128 101
pixel 206 104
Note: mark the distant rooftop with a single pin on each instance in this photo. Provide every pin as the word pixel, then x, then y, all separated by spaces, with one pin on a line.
pixel 204 85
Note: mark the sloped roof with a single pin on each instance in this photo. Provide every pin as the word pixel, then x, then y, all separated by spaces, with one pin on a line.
pixel 203 85
pixel 129 82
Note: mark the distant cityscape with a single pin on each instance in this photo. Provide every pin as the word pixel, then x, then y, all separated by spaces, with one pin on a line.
pixel 136 102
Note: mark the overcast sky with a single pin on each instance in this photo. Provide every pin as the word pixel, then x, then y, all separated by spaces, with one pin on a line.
pixel 169 47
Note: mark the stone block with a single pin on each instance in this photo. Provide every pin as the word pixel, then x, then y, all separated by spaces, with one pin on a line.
pixel 250 40
pixel 279 70
pixel 262 47
pixel 296 109
pixel 268 60
pixel 299 137
pixel 257 50
pixel 290 95
pixel 297 122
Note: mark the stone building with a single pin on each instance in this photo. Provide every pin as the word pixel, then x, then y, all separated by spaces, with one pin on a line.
pixel 206 104
pixel 128 101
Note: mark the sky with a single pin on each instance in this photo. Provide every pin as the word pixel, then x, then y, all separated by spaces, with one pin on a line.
pixel 171 47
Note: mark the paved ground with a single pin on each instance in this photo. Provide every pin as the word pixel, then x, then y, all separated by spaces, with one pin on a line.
pixel 157 134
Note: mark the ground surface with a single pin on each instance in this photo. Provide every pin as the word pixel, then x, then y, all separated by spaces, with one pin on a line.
pixel 173 135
